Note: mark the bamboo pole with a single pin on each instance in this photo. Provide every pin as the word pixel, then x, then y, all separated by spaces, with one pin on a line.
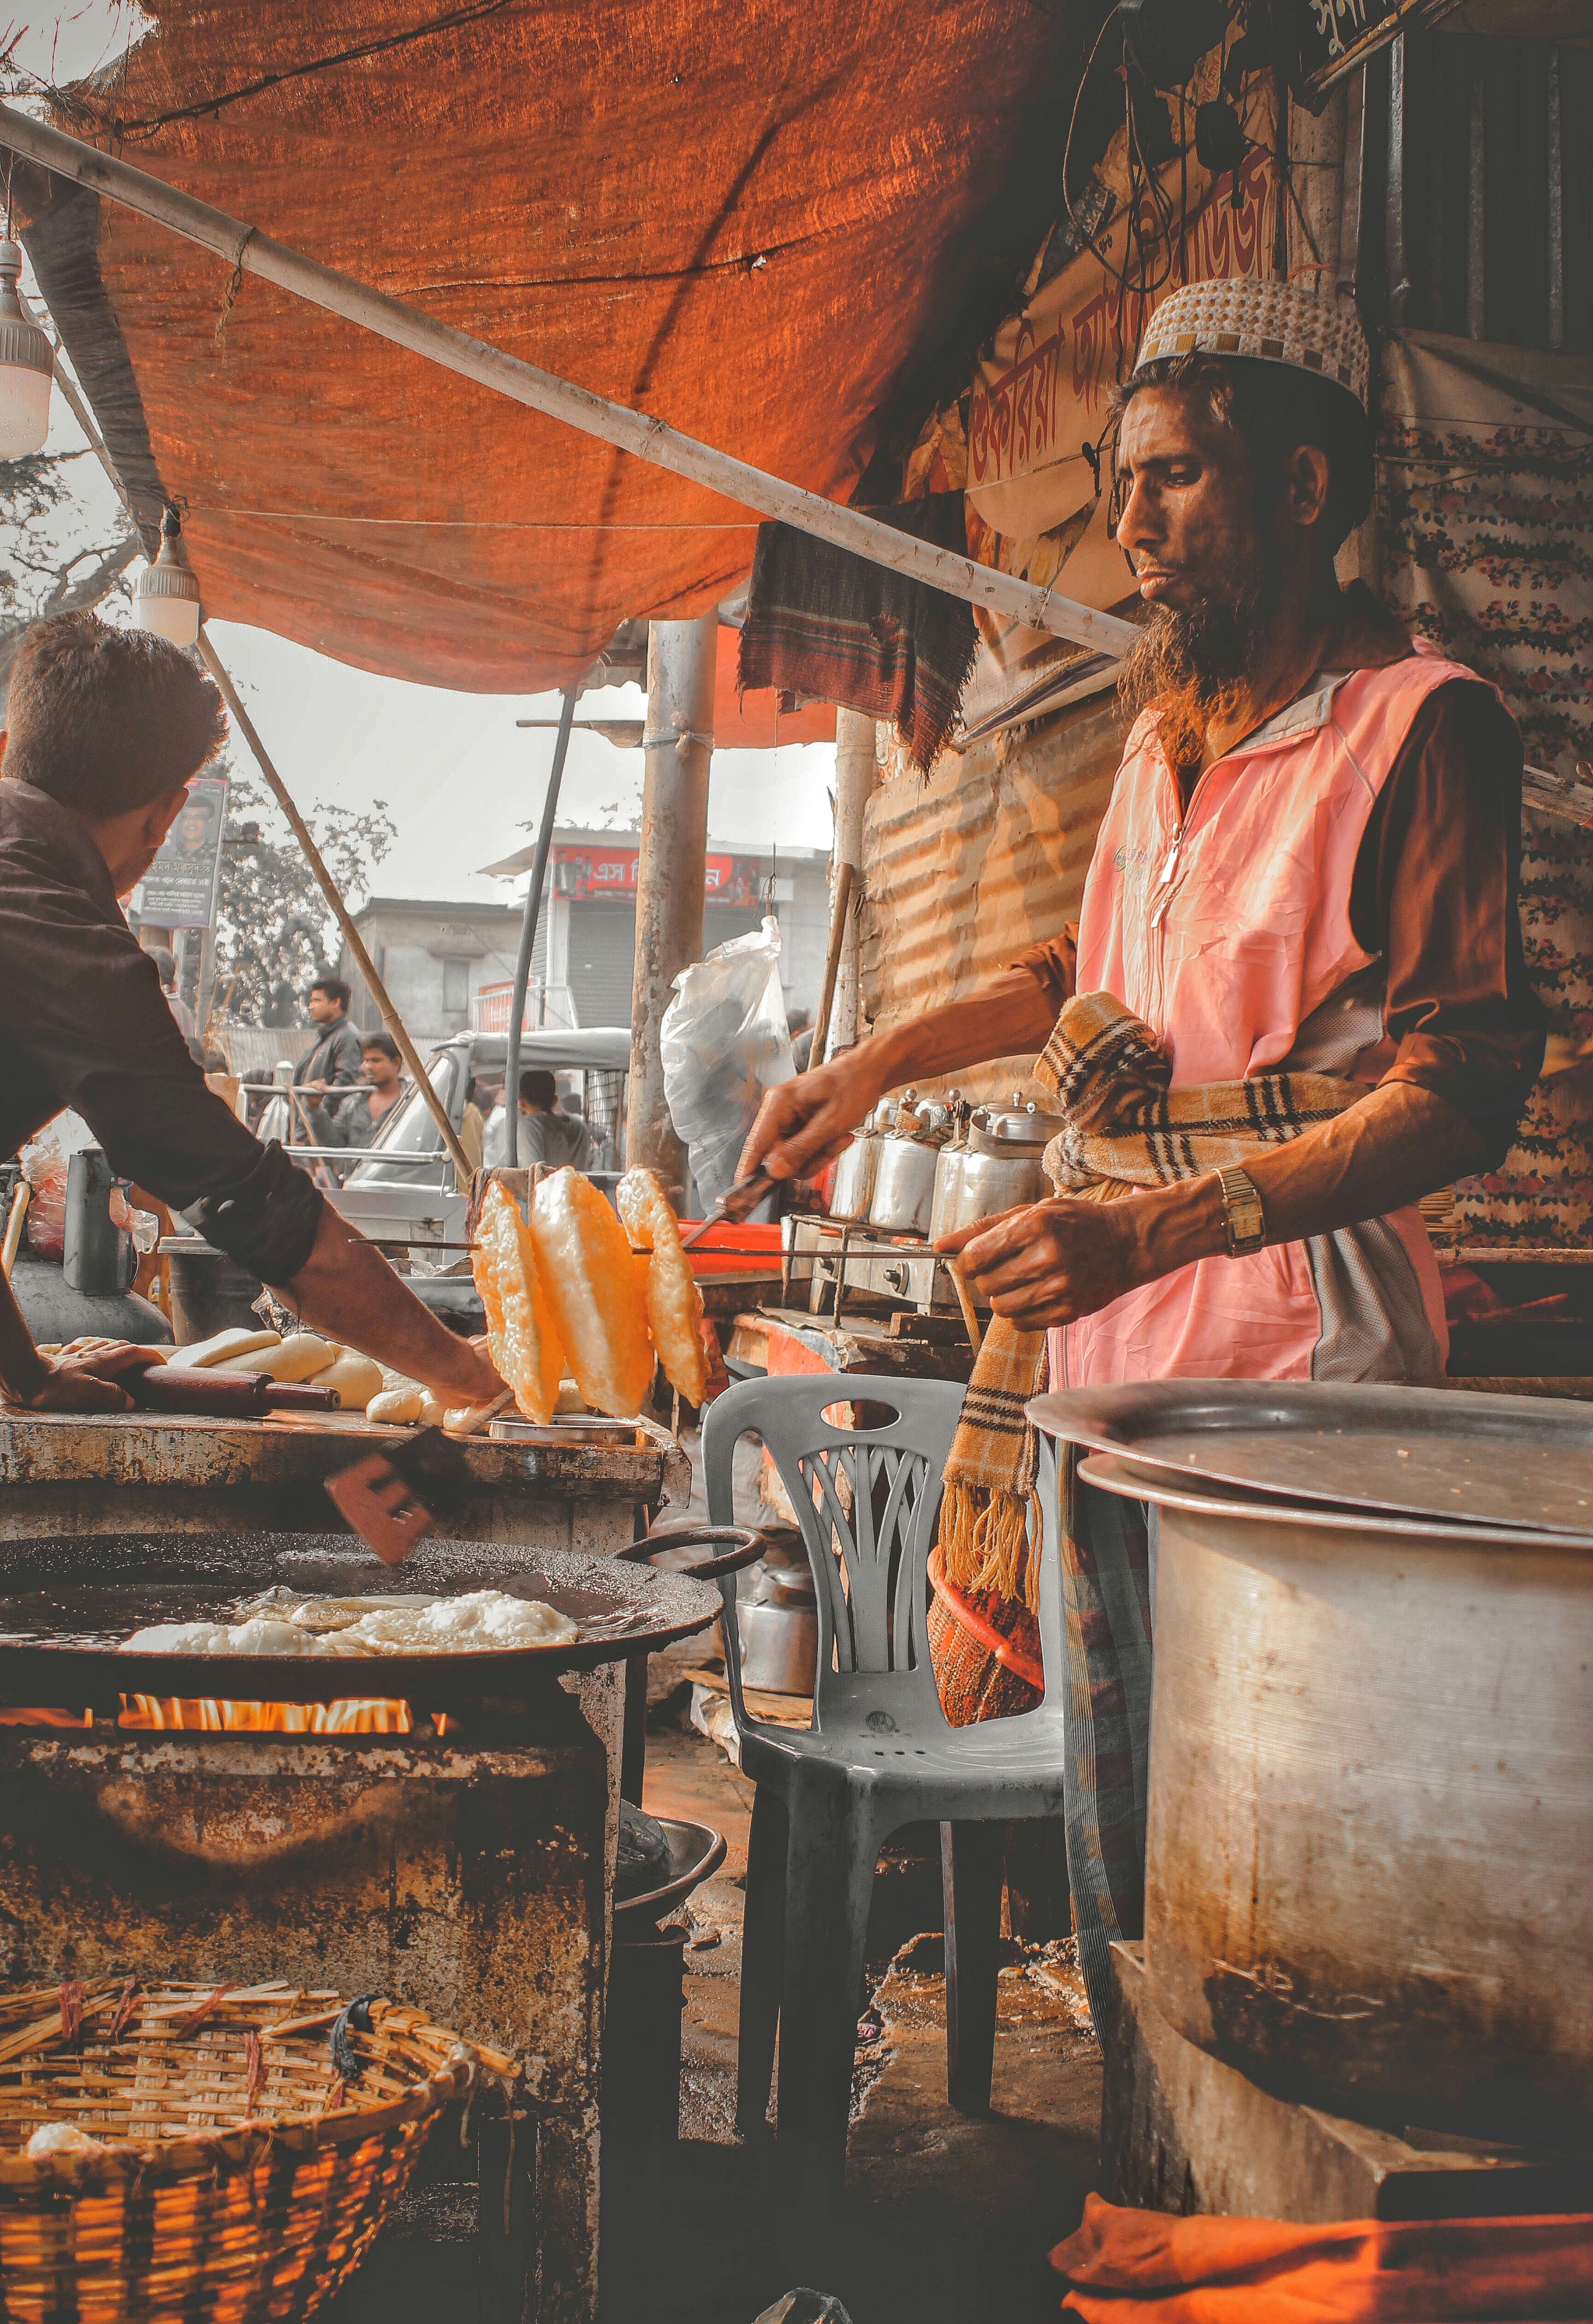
pixel 245 248
pixel 328 887
pixel 840 917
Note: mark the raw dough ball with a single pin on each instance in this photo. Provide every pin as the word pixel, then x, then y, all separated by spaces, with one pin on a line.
pixel 299 1358
pixel 673 1302
pixel 233 1342
pixel 584 1258
pixel 522 1332
pixel 355 1377
pixel 397 1403
pixel 433 1413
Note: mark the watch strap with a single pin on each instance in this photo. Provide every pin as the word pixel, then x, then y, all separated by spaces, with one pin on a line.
pixel 1243 1217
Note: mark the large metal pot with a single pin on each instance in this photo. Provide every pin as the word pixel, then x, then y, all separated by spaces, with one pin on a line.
pixel 1370 1870
pixel 996 1170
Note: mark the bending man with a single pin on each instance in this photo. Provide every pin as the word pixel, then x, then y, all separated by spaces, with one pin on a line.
pixel 103 730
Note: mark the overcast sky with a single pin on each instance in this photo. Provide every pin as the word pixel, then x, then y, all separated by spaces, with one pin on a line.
pixel 461 782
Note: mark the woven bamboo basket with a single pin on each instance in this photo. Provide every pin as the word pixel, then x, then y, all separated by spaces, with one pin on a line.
pixel 246 2171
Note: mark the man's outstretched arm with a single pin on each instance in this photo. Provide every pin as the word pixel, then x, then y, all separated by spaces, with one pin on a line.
pixel 1054 1261
pixel 807 1122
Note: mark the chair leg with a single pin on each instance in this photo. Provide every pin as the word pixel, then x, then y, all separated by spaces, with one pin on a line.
pixel 830 1880
pixel 763 1948
pixel 971 1863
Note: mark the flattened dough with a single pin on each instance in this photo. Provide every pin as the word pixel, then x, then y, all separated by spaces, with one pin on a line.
pixel 522 1333
pixel 673 1302
pixel 584 1255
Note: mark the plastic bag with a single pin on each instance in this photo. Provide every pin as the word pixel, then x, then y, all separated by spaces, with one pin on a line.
pixel 44 1161
pixel 723 1042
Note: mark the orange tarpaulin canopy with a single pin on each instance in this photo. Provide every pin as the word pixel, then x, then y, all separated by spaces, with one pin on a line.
pixel 749 224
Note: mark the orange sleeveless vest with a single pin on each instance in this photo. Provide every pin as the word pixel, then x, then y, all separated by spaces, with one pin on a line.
pixel 1226 927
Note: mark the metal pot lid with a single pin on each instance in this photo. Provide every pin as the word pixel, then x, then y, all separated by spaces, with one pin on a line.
pixel 1021 1124
pixel 1209 1498
pixel 1524 1464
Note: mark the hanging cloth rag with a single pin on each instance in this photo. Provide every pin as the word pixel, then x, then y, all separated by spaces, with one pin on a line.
pixel 1143 2267
pixel 1125 1128
pixel 824 623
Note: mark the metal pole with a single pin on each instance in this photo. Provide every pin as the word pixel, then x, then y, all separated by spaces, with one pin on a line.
pixel 856 774
pixel 328 887
pixel 252 253
pixel 679 747
pixel 527 933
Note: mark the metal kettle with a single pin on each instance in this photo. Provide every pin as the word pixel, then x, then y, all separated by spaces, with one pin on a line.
pixel 998 1165
pixel 853 1187
pixel 904 1183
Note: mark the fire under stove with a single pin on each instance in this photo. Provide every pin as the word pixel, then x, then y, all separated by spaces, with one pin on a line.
pixel 448 1844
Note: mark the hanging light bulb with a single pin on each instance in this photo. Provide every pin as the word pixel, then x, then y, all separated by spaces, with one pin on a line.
pixel 166 596
pixel 26 366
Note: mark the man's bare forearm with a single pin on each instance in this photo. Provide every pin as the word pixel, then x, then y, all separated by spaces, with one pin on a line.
pixel 1065 1258
pixel 1008 1015
pixel 806 1122
pixel 1398 1144
pixel 346 1289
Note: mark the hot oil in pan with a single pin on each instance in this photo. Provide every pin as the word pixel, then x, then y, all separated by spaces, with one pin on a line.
pixel 56 1594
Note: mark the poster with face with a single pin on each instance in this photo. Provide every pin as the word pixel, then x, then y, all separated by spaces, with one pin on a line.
pixel 180 886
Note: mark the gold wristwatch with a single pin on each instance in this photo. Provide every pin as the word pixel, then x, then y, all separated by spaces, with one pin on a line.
pixel 1242 1215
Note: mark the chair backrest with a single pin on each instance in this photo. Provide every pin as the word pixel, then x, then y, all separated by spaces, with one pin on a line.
pixel 866 1498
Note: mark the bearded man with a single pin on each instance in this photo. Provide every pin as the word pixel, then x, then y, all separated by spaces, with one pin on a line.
pixel 1308 866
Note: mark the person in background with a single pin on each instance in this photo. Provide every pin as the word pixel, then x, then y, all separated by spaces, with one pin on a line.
pixel 334 1062
pixel 799 1023
pixel 360 1117
pixel 546 1135
pixel 166 969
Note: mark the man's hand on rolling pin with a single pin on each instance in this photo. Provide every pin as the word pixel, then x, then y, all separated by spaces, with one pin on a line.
pixel 85 1376
pixel 1051 1262
pixel 805 1122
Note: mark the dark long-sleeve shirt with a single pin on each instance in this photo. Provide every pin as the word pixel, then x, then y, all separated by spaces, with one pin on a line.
pixel 85 1024
pixel 338 1059
pixel 1433 896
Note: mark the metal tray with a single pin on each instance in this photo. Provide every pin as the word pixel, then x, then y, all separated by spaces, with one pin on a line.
pixel 1521 1461
pixel 1207 1498
pixel 66 1603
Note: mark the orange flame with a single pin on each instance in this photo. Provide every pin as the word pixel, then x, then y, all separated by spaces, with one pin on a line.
pixel 372 1715
pixel 375 1716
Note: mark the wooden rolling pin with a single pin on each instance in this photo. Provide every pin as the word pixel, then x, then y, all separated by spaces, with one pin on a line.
pixel 225 1396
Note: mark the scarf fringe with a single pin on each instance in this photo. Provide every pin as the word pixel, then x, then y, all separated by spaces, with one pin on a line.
pixel 984 1541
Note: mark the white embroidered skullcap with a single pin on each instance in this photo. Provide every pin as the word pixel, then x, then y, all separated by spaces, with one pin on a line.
pixel 1265 322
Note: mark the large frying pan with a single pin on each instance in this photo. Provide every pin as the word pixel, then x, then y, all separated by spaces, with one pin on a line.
pixel 66 1604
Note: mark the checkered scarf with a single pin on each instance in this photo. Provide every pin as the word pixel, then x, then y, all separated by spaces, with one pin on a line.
pixel 1125 1128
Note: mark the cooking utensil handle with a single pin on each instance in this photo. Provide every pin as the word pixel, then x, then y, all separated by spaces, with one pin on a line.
pixel 731 1207
pixel 750 1545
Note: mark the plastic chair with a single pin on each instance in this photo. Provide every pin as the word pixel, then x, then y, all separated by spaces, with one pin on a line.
pixel 879 1754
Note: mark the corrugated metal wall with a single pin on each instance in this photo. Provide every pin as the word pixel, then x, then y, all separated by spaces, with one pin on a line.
pixel 967 867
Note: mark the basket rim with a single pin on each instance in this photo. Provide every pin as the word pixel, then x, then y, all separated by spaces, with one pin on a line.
pixel 163 2161
pixel 205 2154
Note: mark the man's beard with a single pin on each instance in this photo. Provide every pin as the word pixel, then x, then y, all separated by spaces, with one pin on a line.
pixel 1193 667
